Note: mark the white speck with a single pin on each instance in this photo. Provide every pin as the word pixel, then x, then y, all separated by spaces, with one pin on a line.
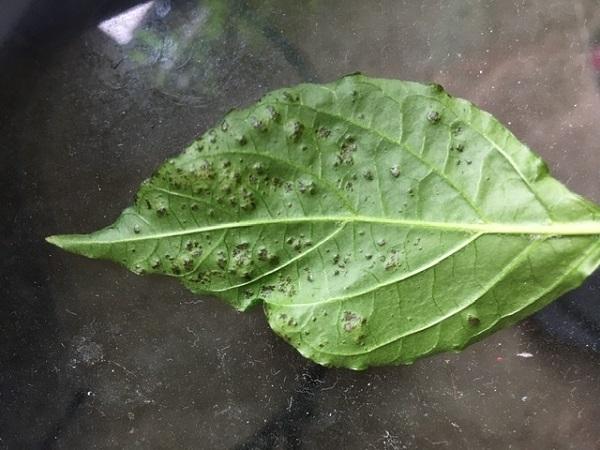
pixel 525 355
pixel 524 398
pixel 455 425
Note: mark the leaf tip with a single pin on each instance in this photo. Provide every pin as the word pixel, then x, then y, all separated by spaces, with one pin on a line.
pixel 70 242
pixel 55 240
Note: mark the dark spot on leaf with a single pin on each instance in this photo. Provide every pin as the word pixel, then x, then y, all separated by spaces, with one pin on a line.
pixel 290 97
pixel 437 88
pixel 433 117
pixel 351 321
pixel 295 129
pixel 323 132
pixel 257 124
pixel 474 321
pixel 456 128
pixel 273 113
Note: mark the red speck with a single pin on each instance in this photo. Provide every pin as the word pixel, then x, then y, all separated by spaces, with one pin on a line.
pixel 499 359
pixel 596 58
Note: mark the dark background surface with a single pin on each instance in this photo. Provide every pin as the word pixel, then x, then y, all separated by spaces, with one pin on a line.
pixel 92 356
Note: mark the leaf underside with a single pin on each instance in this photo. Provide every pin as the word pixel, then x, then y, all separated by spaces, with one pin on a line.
pixel 377 221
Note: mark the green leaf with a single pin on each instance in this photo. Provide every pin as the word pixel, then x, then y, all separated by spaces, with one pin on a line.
pixel 377 221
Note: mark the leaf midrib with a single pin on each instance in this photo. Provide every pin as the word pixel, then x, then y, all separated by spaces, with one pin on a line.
pixel 554 229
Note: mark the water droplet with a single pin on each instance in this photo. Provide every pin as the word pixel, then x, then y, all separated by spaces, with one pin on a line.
pixel 224 126
pixel 381 242
pixel 137 228
pixel 241 140
pixel 458 147
pixel 368 175
pixel 395 171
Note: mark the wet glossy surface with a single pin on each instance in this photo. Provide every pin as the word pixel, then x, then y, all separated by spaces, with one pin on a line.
pixel 92 356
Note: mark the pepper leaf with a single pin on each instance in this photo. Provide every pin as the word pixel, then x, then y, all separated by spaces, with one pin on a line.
pixel 377 221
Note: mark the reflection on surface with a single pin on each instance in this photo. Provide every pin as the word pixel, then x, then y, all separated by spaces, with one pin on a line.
pixel 201 51
pixel 121 27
